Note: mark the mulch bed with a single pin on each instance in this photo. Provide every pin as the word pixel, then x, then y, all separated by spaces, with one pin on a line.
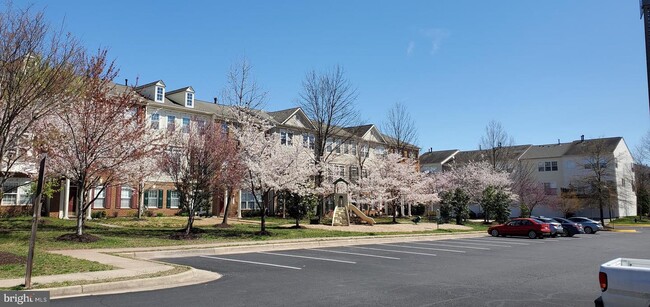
pixel 223 226
pixel 194 234
pixel 9 258
pixel 73 237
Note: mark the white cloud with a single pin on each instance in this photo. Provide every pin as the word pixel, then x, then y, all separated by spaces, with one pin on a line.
pixel 409 49
pixel 435 36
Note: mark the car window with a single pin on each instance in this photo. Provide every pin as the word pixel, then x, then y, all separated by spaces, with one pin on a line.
pixel 526 223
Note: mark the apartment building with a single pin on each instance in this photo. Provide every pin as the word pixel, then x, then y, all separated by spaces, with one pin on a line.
pixel 563 169
pixel 177 110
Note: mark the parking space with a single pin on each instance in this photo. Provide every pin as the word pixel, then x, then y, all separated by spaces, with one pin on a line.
pixel 483 271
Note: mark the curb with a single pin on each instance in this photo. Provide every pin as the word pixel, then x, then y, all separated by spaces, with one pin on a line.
pixel 623 230
pixel 191 277
pixel 275 246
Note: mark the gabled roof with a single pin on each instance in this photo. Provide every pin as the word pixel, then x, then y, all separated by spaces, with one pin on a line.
pixel 283 115
pixel 586 147
pixel 441 156
pixel 183 89
pixel 511 152
pixel 546 151
pixel 150 84
pixel 359 131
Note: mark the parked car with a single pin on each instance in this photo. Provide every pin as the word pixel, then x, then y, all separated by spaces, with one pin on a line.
pixel 589 225
pixel 570 228
pixel 521 227
pixel 556 227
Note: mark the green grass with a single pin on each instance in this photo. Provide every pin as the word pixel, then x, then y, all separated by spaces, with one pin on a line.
pixel 630 220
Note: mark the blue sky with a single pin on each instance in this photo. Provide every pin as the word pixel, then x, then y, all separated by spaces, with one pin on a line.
pixel 547 70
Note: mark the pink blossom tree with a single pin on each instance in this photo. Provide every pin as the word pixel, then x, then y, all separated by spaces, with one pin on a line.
pixel 98 139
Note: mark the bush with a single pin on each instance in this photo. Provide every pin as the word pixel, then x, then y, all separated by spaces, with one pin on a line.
pixel 160 214
pixel 98 215
pixel 148 213
pixel 251 213
pixel 418 209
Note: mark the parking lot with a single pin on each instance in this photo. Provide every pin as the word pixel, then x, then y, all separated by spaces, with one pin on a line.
pixel 483 271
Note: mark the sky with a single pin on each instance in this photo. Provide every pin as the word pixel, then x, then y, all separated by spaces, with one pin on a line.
pixel 546 70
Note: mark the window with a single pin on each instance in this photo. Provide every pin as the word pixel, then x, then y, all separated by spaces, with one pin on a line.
pixel 286 137
pixel 247 200
pixel 160 94
pixel 623 182
pixel 340 171
pixel 354 173
pixel 353 148
pixel 550 188
pixel 337 146
pixel 364 151
pixel 171 122
pixel 186 125
pixel 200 124
pixel 364 173
pixel 100 196
pixel 189 101
pixel 328 146
pixel 592 164
pixel 10 196
pixel 125 197
pixel 308 140
pixel 174 199
pixel 380 151
pixel 155 121
pixel 224 128
pixel 345 148
pixel 547 166
pixel 152 198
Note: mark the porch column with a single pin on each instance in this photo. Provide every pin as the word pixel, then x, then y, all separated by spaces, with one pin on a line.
pixel 62 201
pixel 385 208
pixel 66 194
pixel 409 209
pixel 239 206
pixel 90 208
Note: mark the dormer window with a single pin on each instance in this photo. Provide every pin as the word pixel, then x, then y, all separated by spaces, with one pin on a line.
pixel 189 101
pixel 160 94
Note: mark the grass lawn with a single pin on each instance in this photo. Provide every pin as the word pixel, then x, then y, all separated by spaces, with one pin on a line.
pixel 630 220
pixel 151 231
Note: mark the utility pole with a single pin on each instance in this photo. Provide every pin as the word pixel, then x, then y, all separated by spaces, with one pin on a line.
pixel 644 6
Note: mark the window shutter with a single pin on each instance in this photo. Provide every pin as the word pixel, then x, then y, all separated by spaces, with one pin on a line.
pixel 118 203
pixel 160 198
pixel 107 197
pixel 146 198
pixel 169 199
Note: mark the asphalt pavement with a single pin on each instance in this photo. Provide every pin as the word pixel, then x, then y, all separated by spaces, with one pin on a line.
pixel 482 271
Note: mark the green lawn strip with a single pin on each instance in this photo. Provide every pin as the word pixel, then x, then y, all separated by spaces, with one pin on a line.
pixel 45 263
pixel 629 220
pixel 176 270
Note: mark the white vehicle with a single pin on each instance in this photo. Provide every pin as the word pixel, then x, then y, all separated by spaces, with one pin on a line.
pixel 625 282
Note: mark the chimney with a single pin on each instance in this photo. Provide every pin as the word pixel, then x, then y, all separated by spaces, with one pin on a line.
pixel 558 141
pixel 216 100
pixel 126 82
pixel 582 138
pixel 430 149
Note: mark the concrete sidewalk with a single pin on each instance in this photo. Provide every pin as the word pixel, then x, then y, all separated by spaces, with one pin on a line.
pixel 134 263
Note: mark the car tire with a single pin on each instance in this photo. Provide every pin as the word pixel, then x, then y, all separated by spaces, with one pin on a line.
pixel 494 233
pixel 554 235
pixel 532 234
pixel 588 230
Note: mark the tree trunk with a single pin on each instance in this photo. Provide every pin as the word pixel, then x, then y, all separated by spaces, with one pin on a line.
pixel 263 221
pixel 394 213
pixel 140 199
pixel 190 217
pixel 80 211
pixel 225 211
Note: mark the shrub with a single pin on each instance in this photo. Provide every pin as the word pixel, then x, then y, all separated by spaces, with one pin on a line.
pixel 160 214
pixel 98 215
pixel 251 213
pixel 418 209
pixel 148 213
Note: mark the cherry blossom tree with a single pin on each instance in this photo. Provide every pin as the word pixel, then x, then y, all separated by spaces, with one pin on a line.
pixel 196 160
pixel 392 178
pixel 39 71
pixel 100 138
pixel 269 164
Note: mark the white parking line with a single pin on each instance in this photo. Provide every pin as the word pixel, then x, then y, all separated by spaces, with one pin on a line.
pixel 253 262
pixel 487 243
pixel 392 251
pixel 357 254
pixel 448 245
pixel 307 257
pixel 427 248
pixel 498 241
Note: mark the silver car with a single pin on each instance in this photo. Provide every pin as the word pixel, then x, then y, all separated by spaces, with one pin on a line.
pixel 556 227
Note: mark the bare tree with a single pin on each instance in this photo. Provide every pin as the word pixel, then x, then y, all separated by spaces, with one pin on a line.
pixel 497 142
pixel 242 90
pixel 400 128
pixel 328 99
pixel 38 74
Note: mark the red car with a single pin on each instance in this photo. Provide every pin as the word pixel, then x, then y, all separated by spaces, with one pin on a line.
pixel 521 227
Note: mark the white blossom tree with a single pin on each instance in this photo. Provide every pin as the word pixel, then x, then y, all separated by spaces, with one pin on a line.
pixel 269 164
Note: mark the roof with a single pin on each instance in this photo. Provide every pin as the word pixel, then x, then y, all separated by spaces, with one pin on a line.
pixel 283 115
pixel 359 131
pixel 149 84
pixel 546 151
pixel 182 89
pixel 511 153
pixel 437 156
pixel 586 147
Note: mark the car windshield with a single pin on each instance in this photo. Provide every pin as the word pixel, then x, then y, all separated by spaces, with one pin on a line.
pixel 561 220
